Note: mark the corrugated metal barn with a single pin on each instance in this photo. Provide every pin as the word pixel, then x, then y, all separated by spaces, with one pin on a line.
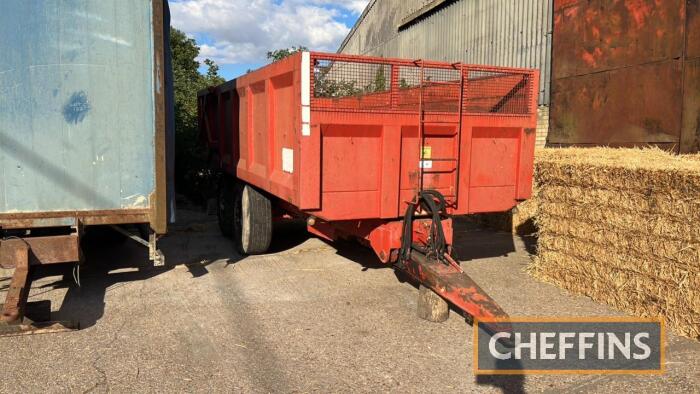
pixel 513 33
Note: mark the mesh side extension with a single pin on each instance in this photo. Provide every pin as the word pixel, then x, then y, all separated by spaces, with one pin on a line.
pixel 497 92
pixel 341 84
pixel 358 84
pixel 441 89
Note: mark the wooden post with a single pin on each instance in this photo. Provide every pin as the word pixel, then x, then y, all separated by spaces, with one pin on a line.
pixel 432 307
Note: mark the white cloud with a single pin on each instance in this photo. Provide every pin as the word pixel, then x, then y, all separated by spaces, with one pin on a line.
pixel 242 31
pixel 357 6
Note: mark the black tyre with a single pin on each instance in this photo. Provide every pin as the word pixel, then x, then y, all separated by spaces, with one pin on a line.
pixel 252 221
pixel 226 199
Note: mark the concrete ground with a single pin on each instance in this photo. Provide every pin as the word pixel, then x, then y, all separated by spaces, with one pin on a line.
pixel 310 317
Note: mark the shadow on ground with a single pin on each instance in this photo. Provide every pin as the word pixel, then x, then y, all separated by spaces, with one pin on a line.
pixel 113 261
pixel 474 242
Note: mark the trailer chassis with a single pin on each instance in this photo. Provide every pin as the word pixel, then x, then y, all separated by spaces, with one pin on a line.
pixel 417 254
pixel 23 252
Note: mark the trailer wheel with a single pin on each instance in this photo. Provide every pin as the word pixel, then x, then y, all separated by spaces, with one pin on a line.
pixel 252 221
pixel 226 198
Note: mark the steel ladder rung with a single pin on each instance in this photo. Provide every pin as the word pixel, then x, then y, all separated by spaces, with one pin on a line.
pixel 448 159
pixel 440 172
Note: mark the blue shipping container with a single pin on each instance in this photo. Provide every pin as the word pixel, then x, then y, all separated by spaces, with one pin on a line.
pixel 85 111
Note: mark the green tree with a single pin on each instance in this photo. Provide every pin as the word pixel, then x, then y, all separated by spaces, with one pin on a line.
pixel 191 158
pixel 380 82
pixel 280 54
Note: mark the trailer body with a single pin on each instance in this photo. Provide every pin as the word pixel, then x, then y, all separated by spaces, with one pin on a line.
pixel 366 147
pixel 84 93
pixel 353 155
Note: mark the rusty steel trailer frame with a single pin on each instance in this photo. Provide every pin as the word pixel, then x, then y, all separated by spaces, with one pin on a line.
pixel 244 124
pixel 23 253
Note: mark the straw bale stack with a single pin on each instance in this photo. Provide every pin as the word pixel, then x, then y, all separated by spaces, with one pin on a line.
pixel 622 226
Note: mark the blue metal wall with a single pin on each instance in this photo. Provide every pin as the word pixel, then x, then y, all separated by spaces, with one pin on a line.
pixel 77 119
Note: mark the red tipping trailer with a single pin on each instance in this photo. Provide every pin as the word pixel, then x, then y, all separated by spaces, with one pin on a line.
pixel 380 150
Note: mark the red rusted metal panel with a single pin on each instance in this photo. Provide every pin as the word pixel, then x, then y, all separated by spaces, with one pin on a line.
pixel 597 35
pixel 623 75
pixel 693 36
pixel 636 105
pixel 690 135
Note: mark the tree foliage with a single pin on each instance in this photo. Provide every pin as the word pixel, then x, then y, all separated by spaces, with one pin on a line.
pixel 279 54
pixel 190 157
pixel 330 84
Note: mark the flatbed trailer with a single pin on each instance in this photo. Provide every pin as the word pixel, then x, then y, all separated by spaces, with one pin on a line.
pixel 384 151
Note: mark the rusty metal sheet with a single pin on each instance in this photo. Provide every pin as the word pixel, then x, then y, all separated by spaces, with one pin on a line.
pixel 42 250
pixel 693 39
pixel 690 134
pixel 68 218
pixel 597 35
pixel 16 298
pixel 634 105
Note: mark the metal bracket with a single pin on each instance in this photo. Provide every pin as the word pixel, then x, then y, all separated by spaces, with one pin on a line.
pixel 154 254
pixel 21 254
pixel 16 299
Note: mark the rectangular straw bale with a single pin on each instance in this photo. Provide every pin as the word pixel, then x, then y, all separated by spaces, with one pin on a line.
pixel 622 226
pixel 621 289
pixel 687 208
pixel 681 252
pixel 640 170
pixel 622 221
pixel 684 274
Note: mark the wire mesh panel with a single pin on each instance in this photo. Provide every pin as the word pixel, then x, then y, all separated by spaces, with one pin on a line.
pixel 352 85
pixel 377 85
pixel 497 92
pixel 439 89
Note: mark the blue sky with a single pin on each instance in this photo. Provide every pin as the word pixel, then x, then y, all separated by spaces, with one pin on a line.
pixel 237 34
